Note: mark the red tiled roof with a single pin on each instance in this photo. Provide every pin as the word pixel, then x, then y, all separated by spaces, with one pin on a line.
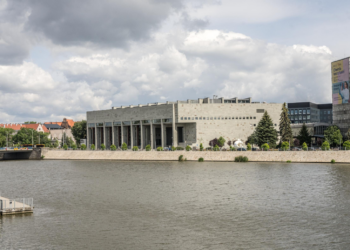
pixel 14 126
pixel 58 123
pixel 70 122
pixel 45 129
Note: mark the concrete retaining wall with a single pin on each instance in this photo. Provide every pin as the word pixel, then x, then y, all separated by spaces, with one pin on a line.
pixel 270 156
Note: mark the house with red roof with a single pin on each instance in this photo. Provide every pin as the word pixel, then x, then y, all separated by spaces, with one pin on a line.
pixel 17 126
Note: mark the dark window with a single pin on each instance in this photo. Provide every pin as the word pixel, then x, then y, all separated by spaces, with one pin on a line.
pixel 180 134
pixel 260 110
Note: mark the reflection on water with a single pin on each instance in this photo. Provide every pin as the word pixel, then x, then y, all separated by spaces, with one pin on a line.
pixel 172 205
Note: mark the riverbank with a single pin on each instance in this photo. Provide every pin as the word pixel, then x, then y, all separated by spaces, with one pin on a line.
pixel 222 156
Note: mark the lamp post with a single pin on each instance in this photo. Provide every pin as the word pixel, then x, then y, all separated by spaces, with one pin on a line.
pixel 7 139
pixel 32 139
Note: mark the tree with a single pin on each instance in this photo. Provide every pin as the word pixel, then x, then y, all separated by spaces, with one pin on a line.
pixel 347 145
pixel 124 146
pixel 285 146
pixel 304 136
pixel 325 145
pixel 304 146
pixel 92 147
pixel 5 136
pixel 221 141
pixel 253 138
pixel 79 131
pixel 347 135
pixel 201 147
pixel 285 128
pixel 249 147
pixel 265 146
pixel 265 132
pixel 25 136
pixel 30 122
pixel 56 144
pixel 103 147
pixel 113 147
pixel 333 136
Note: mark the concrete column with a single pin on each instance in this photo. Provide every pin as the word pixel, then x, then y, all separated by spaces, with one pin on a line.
pixel 174 128
pixel 141 131
pixel 88 134
pixel 162 132
pixel 112 134
pixel 104 135
pixel 121 134
pixel 131 135
pixel 152 139
pixel 95 136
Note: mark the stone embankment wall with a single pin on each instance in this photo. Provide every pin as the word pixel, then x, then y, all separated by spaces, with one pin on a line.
pixel 270 156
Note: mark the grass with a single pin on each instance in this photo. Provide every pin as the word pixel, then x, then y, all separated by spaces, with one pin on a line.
pixel 181 158
pixel 241 158
pixel 332 161
pixel 289 161
pixel 201 159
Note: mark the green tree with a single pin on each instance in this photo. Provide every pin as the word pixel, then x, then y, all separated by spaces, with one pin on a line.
pixel 56 144
pixel 83 147
pixel 201 147
pixel 265 146
pixel 135 148
pixel 148 147
pixel 253 138
pixel 325 145
pixel 333 136
pixel 113 147
pixel 249 147
pixel 347 145
pixel 304 135
pixel 103 147
pixel 30 122
pixel 65 146
pixel 304 146
pixel 124 146
pixel 92 147
pixel 25 136
pixel 265 131
pixel 285 145
pixel 188 148
pixel 221 141
pixel 6 136
pixel 284 126
pixel 74 146
pixel 79 131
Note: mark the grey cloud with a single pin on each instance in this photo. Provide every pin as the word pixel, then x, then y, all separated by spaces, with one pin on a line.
pixel 103 23
pixel 193 23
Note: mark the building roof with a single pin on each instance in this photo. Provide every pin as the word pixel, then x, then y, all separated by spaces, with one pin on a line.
pixel 58 123
pixel 52 126
pixel 70 122
pixel 14 126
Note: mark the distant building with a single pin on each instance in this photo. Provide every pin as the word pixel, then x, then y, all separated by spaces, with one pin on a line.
pixel 309 112
pixel 66 123
pixel 17 126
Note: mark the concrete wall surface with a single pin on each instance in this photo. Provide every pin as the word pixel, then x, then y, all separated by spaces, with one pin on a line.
pixel 270 156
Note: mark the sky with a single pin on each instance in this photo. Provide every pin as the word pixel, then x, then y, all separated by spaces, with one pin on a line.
pixel 63 58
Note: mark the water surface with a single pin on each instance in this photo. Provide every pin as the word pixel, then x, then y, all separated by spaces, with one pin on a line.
pixel 172 205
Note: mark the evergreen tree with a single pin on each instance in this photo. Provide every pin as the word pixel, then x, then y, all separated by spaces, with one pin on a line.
pixel 285 128
pixel 304 135
pixel 265 132
pixel 333 135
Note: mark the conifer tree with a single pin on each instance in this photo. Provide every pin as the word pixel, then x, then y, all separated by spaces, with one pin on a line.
pixel 304 135
pixel 265 132
pixel 285 128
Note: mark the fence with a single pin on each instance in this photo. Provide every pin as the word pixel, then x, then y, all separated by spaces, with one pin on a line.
pixel 16 205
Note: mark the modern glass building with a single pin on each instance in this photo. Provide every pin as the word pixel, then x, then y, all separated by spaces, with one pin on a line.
pixel 309 112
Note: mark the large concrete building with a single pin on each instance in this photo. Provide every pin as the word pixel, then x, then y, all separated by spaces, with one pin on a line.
pixel 178 123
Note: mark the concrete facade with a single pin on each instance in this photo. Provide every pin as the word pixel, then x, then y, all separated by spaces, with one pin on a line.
pixel 178 123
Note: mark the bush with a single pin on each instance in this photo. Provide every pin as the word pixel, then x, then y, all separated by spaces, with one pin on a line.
pixel 209 149
pixel 65 147
pixel 92 146
pixel 83 147
pixel 148 147
pixel 181 158
pixel 173 148
pixel 113 147
pixel 304 146
pixel 332 161
pixel 159 149
pixel 103 147
pixel 325 146
pixel 201 147
pixel 221 141
pixel 249 147
pixel 135 148
pixel 200 159
pixel 124 146
pixel 216 148
pixel 179 148
pixel 74 146
pixel 347 145
pixel 265 146
pixel 188 148
pixel 289 161
pixel 232 148
pixel 241 159
pixel 285 145
pixel 42 157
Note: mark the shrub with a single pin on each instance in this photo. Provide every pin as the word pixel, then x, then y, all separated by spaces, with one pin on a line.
pixel 135 148
pixel 209 149
pixel 148 147
pixel 265 146
pixel 325 145
pixel 83 147
pixel 92 146
pixel 289 161
pixel 188 148
pixel 124 146
pixel 179 148
pixel 304 146
pixel 221 141
pixel 181 158
pixel 232 148
pixel 216 148
pixel 173 148
pixel 42 157
pixel 241 158
pixel 332 161
pixel 65 147
pixel 103 147
pixel 249 147
pixel 200 159
pixel 285 145
pixel 201 147
pixel 347 145
pixel 113 147
pixel 159 149
pixel 74 146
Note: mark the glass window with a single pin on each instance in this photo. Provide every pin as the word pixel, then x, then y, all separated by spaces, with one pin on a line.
pixel 254 117
pixel 308 117
pixel 136 122
pixel 329 112
pixel 243 117
pixel 169 120
pixel 304 111
pixel 108 124
pixel 247 117
pixel 300 117
pixel 189 118
pixel 91 125
pixel 157 121
pixel 99 124
pixel 196 118
pixel 215 118
pixel 182 118
pixel 300 111
pixel 240 118
pixel 126 123
pixel 292 112
pixel 192 118
pixel 180 134
pixel 149 121
pixel 200 118
pixel 308 111
pixel 185 118
pixel 203 118
pixel 211 118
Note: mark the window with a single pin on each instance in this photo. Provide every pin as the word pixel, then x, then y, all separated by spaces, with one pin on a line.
pixel 203 118
pixel 251 118
pixel 260 110
pixel 211 118
pixel 200 118
pixel 247 117
pixel 180 134
pixel 182 118
pixel 157 121
pixel 308 111
pixel 300 117
pixel 196 118
pixel 185 118
pixel 99 124
pixel 169 120
pixel 148 121
pixel 136 122
pixel 243 117
pixel 254 117
pixel 236 118
pixel 329 112
pixel 292 112
pixel 308 117
pixel 304 111
pixel 225 118
pixel 254 125
pixel 192 118
pixel 240 118
pixel 91 125
pixel 117 123
pixel 300 112
pixel 215 118
pixel 189 118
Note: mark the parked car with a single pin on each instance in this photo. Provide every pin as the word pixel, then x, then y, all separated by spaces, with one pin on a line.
pixel 255 149
pixel 241 149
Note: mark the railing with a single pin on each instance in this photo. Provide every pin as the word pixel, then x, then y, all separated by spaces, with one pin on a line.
pixel 19 204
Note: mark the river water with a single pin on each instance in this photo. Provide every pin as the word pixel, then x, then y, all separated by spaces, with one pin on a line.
pixel 174 205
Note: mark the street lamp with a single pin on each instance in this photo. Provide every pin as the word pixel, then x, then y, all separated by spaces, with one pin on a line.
pixel 32 139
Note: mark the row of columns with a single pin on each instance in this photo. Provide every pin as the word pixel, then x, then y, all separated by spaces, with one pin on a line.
pixel 98 130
